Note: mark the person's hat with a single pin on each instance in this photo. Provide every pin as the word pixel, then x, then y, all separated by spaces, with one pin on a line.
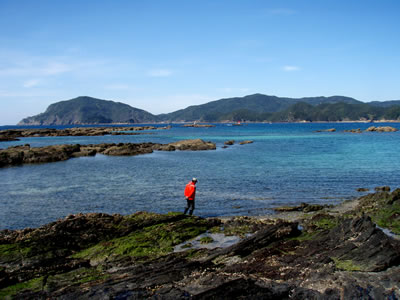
pixel 194 179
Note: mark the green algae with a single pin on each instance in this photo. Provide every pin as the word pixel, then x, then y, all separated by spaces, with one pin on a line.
pixel 321 222
pixel 346 265
pixel 206 240
pixel 148 243
pixel 388 217
pixel 186 246
pixel 383 208
pixel 34 285
pixel 75 277
pixel 12 252
pixel 231 230
pixel 304 236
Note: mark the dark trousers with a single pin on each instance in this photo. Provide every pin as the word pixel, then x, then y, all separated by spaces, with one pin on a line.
pixel 190 205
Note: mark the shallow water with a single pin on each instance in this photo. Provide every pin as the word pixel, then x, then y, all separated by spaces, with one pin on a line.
pixel 287 164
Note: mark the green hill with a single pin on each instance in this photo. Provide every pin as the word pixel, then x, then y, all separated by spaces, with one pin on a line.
pixel 248 107
pixel 257 108
pixel 87 110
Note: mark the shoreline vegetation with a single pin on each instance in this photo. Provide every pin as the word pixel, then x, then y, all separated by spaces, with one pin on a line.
pixel 351 250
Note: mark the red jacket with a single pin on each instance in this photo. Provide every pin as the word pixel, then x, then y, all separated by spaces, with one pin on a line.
pixel 190 190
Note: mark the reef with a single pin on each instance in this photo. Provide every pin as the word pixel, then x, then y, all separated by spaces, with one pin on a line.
pixel 14 134
pixel 332 253
pixel 27 155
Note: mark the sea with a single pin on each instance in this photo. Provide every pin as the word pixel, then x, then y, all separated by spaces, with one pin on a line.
pixel 286 164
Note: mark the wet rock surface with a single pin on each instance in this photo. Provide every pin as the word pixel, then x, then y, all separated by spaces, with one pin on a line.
pixel 381 129
pixel 373 129
pixel 14 134
pixel 26 155
pixel 100 256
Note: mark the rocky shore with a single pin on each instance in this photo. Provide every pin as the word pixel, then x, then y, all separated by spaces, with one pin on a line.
pixel 332 253
pixel 369 129
pixel 14 134
pixel 27 155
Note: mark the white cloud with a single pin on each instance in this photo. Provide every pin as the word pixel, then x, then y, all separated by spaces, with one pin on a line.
pixel 159 73
pixel 290 68
pixel 31 83
pixel 37 69
pixel 54 68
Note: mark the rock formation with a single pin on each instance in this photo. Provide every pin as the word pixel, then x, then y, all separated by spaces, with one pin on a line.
pixel 245 142
pixel 25 154
pixel 382 129
pixel 13 134
pixel 98 256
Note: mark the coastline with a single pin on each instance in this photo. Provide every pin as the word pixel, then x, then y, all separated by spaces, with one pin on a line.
pixel 197 122
pixel 325 254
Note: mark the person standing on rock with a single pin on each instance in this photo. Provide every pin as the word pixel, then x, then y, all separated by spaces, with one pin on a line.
pixel 190 194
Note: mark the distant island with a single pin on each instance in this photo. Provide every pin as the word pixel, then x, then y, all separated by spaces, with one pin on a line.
pixel 253 108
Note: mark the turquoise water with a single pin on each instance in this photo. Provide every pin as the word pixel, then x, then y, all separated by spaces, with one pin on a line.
pixel 287 164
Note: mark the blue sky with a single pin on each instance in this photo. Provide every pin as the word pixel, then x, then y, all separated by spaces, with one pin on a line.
pixel 165 55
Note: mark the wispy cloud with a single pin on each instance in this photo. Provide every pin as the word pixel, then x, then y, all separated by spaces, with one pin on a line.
pixel 290 68
pixel 159 73
pixel 38 69
pixel 31 83
pixel 54 68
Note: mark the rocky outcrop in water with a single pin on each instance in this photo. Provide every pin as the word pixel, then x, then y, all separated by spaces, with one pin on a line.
pixel 98 256
pixel 382 129
pixel 229 143
pixel 14 134
pixel 326 130
pixel 198 125
pixel 373 129
pixel 245 142
pixel 26 155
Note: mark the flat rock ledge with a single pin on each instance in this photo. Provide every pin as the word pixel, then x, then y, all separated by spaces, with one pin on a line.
pixel 369 129
pixel 101 256
pixel 373 129
pixel 27 155
pixel 14 134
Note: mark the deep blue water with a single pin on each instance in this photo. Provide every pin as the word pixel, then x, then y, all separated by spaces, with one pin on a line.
pixel 287 164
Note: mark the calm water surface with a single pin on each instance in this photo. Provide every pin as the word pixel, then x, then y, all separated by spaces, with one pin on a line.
pixel 287 164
